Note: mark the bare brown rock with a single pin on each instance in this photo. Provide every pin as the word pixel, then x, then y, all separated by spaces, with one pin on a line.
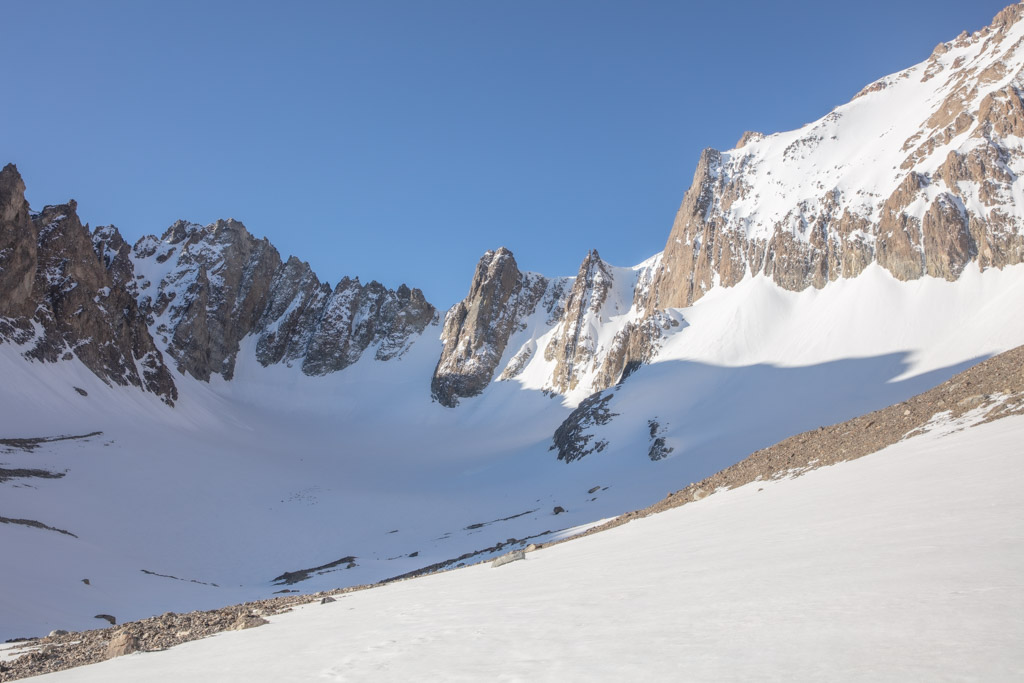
pixel 226 275
pixel 686 268
pixel 246 621
pixel 50 276
pixel 225 284
pixel 123 643
pixel 477 329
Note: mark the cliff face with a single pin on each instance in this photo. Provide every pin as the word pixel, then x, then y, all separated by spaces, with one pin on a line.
pixel 574 343
pixel 917 174
pixel 477 329
pixel 207 288
pixel 60 300
pixel 575 335
pixel 17 249
pixel 191 295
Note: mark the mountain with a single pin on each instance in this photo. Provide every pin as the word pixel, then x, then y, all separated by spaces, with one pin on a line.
pixel 192 295
pixel 58 298
pixel 195 420
pixel 918 174
pixel 204 289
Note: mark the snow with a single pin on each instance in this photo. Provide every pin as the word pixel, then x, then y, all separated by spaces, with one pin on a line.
pixel 903 565
pixel 276 471
pixel 858 150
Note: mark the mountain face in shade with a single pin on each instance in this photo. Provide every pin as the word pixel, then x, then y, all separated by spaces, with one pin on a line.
pixel 60 301
pixel 207 288
pixel 185 300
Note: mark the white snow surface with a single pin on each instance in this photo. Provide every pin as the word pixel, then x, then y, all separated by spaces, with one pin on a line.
pixel 903 565
pixel 275 471
pixel 855 154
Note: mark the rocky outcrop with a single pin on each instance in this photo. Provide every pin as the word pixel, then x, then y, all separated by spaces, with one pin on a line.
pixel 17 252
pixel 572 439
pixel 588 332
pixel 193 294
pixel 60 301
pixel 207 288
pixel 357 316
pixel 213 294
pixel 122 644
pixel 477 329
pixel 83 311
pixel 574 344
pixel 116 256
pixel 295 305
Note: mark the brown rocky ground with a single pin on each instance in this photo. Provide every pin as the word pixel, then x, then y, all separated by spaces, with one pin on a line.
pixel 68 650
pixel 993 388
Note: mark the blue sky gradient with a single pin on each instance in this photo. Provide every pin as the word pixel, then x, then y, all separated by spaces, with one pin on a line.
pixel 398 141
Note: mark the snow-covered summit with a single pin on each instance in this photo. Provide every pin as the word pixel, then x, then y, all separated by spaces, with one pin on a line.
pixel 919 173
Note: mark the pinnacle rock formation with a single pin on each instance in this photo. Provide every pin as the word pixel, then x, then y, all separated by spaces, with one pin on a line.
pixel 60 301
pixel 477 329
pixel 574 343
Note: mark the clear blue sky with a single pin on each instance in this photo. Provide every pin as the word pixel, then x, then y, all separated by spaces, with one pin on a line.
pixel 398 141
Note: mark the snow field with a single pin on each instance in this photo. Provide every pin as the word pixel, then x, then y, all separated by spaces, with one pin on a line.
pixel 276 472
pixel 903 565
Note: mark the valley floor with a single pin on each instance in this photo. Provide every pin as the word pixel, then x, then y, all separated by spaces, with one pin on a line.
pixel 903 565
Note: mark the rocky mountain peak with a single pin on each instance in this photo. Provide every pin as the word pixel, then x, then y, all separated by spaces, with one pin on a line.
pixel 62 303
pixel 749 136
pixel 180 231
pixel 193 294
pixel 574 345
pixel 17 254
pixel 1008 16
pixel 208 287
pixel 116 255
pixel 477 329
pixel 915 174
pixel 12 194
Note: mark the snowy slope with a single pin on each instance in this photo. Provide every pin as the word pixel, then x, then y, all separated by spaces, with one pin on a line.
pixel 276 471
pixel 862 151
pixel 903 565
